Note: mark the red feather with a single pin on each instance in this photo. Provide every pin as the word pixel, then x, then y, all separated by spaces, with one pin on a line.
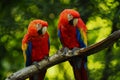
pixel 40 45
pixel 68 38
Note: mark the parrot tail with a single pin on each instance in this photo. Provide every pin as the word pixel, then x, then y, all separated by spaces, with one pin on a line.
pixel 38 76
pixel 80 73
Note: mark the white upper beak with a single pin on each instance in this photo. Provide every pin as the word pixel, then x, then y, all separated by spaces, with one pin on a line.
pixel 44 30
pixel 75 21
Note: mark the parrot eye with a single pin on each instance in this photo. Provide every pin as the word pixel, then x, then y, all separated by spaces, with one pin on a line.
pixel 38 26
pixel 70 17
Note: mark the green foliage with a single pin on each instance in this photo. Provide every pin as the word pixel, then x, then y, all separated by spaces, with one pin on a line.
pixel 102 17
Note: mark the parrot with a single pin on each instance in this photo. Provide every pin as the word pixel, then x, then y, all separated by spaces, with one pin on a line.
pixel 36 45
pixel 72 32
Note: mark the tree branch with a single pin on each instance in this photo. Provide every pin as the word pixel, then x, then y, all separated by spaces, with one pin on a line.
pixel 58 57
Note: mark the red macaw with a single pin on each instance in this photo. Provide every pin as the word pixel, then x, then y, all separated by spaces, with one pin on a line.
pixel 35 45
pixel 72 33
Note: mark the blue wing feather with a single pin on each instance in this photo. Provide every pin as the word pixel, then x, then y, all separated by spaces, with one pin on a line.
pixel 49 43
pixel 28 54
pixel 59 35
pixel 81 42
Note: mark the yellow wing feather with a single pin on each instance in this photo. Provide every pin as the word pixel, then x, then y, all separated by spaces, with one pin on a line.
pixel 84 36
pixel 24 48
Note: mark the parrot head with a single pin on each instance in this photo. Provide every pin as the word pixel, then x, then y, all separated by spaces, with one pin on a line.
pixel 37 27
pixel 69 16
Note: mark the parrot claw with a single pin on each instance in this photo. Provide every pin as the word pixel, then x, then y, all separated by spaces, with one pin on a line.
pixel 46 58
pixel 66 52
pixel 37 65
pixel 74 49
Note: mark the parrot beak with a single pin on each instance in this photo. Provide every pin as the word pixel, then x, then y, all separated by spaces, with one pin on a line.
pixel 39 28
pixel 39 31
pixel 44 29
pixel 75 21
pixel 72 21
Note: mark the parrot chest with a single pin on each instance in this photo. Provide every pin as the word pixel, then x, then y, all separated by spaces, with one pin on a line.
pixel 40 48
pixel 69 37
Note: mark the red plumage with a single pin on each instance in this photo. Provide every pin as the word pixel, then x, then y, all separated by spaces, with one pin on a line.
pixel 70 35
pixel 40 47
pixel 37 41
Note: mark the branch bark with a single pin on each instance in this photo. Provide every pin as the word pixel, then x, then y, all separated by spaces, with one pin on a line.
pixel 58 57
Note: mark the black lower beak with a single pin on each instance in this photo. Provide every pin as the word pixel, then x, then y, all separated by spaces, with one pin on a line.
pixel 71 22
pixel 40 31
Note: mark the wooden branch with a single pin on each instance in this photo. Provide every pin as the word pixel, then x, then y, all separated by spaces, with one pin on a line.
pixel 58 57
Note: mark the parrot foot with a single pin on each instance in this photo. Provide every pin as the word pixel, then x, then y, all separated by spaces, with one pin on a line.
pixel 66 52
pixel 37 65
pixel 46 58
pixel 74 49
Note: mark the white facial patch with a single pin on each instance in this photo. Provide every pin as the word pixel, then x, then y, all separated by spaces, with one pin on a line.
pixel 70 17
pixel 44 29
pixel 38 26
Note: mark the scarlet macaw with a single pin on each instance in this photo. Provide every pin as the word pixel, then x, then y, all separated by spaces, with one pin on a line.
pixel 72 33
pixel 35 45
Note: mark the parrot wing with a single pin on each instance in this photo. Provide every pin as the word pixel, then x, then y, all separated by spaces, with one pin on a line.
pixel 59 35
pixel 49 44
pixel 28 54
pixel 81 38
pixel 81 33
pixel 27 49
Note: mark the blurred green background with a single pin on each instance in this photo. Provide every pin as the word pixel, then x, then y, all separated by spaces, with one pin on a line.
pixel 102 17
